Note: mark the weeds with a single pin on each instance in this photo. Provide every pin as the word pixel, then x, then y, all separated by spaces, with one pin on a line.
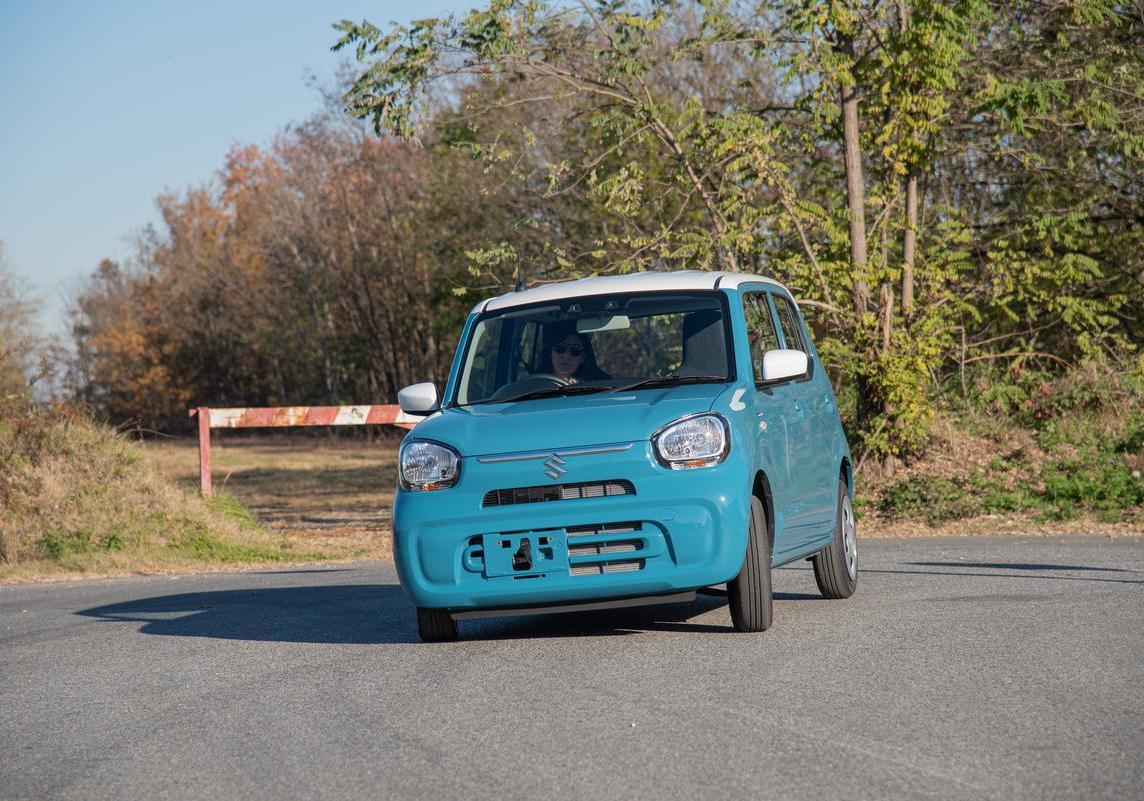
pixel 1085 453
pixel 75 495
pixel 225 504
pixel 202 546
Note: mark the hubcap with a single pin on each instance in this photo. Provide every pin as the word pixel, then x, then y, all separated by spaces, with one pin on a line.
pixel 849 541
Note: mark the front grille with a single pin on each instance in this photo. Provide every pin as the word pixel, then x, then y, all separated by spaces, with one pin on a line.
pixel 558 492
pixel 621 543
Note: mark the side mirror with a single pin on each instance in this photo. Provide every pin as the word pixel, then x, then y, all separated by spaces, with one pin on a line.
pixel 779 365
pixel 419 399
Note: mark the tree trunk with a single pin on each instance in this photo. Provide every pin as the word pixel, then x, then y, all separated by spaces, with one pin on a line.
pixel 909 245
pixel 855 189
pixel 886 312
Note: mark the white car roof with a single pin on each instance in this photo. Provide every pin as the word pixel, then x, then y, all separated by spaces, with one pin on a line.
pixel 632 282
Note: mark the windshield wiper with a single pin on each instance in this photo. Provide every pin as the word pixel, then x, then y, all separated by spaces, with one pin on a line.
pixel 552 392
pixel 668 380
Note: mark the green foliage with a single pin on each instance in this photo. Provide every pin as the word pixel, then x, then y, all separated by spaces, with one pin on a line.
pixel 1087 459
pixel 699 177
pixel 1107 488
pixel 57 544
pixel 935 499
pixel 203 546
pixel 225 504
pixel 999 143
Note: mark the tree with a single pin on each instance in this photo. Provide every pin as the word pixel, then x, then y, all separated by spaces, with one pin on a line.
pixel 304 274
pixel 812 102
pixel 19 342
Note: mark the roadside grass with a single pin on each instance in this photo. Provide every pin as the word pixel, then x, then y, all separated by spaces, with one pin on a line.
pixel 77 498
pixel 334 493
pixel 1068 452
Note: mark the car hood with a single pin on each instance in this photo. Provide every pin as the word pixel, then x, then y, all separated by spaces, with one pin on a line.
pixel 564 422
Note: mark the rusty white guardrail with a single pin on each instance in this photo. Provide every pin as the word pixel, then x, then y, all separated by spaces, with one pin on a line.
pixel 288 416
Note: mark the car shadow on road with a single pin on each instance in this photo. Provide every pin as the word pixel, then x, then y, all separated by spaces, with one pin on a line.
pixel 372 614
pixel 339 614
pixel 1030 571
pixel 1023 566
pixel 676 617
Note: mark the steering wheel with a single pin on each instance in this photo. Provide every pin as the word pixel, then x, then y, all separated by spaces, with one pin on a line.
pixel 529 383
pixel 555 379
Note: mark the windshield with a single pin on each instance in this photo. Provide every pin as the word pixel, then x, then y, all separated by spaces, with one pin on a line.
pixel 596 344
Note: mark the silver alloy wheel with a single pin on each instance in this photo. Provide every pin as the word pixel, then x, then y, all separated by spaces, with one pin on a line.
pixel 849 541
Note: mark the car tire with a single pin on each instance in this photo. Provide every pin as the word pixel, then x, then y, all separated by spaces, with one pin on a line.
pixel 836 565
pixel 435 625
pixel 749 594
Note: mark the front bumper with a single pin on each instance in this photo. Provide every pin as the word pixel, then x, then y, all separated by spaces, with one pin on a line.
pixel 681 530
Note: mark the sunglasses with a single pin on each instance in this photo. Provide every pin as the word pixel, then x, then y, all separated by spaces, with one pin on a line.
pixel 571 350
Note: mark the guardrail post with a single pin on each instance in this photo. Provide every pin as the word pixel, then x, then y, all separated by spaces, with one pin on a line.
pixel 204 415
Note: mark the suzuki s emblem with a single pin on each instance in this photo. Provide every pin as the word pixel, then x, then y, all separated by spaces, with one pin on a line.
pixel 553 466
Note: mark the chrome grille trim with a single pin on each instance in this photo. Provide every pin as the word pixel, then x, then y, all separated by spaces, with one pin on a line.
pixel 603 528
pixel 527 456
pixel 606 567
pixel 619 541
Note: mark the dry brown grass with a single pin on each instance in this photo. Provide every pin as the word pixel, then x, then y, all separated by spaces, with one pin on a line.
pixel 333 494
pixel 338 493
pixel 79 499
pixel 135 508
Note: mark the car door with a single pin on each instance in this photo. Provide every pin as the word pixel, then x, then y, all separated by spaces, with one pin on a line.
pixel 815 401
pixel 778 427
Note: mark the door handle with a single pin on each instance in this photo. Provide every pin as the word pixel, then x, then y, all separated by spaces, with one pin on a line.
pixel 798 407
pixel 827 401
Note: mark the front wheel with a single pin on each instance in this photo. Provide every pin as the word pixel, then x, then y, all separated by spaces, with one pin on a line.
pixel 749 593
pixel 436 625
pixel 836 565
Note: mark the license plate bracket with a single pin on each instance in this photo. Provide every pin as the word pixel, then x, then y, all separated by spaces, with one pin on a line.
pixel 525 553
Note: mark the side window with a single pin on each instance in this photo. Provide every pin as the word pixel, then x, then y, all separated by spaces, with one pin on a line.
pixel 788 321
pixel 479 378
pixel 760 329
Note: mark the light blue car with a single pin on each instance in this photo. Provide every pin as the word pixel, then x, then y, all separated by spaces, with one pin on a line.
pixel 619 441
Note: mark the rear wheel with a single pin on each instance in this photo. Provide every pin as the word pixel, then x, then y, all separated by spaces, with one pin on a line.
pixel 836 565
pixel 435 625
pixel 749 594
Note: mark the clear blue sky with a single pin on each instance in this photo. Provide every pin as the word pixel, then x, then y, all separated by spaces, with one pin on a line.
pixel 104 105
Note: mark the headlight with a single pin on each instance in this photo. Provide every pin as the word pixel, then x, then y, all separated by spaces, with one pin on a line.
pixel 700 440
pixel 428 466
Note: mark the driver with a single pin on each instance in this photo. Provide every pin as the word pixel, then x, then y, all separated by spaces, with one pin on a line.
pixel 569 356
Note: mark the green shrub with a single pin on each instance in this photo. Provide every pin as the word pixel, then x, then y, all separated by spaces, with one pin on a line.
pixel 935 499
pixel 203 546
pixel 1106 488
pixel 229 506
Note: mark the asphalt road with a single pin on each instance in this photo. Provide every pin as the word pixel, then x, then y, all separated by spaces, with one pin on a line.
pixel 1003 668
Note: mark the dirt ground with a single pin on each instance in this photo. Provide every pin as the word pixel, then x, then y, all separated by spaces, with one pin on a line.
pixel 333 494
pixel 336 493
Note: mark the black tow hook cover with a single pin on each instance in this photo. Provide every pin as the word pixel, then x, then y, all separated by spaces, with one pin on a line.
pixel 522 559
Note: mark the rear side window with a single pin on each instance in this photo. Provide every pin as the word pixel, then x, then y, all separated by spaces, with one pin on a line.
pixel 760 330
pixel 788 321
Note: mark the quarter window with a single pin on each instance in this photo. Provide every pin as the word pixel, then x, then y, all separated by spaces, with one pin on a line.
pixel 760 330
pixel 788 321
